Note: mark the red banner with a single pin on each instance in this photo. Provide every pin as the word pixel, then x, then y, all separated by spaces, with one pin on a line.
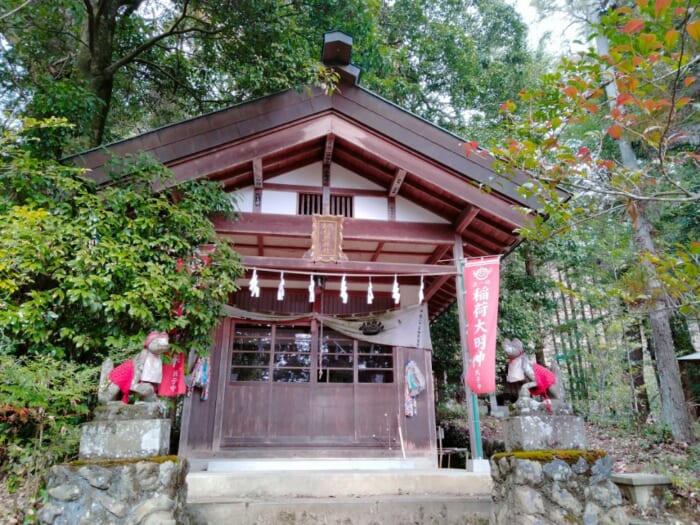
pixel 481 283
pixel 173 382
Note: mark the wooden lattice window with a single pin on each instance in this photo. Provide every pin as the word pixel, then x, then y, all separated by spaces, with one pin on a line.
pixel 312 203
pixel 309 204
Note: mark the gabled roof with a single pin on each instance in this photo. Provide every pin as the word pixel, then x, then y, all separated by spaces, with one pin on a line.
pixel 247 144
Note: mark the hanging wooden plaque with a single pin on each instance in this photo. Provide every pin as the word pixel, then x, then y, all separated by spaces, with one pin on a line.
pixel 326 239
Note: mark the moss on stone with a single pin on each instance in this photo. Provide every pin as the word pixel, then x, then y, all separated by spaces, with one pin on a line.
pixel 545 456
pixel 121 462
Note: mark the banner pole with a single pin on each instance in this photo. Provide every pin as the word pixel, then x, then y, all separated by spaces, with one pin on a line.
pixel 471 399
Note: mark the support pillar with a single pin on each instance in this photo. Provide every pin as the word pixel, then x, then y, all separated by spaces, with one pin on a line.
pixel 475 448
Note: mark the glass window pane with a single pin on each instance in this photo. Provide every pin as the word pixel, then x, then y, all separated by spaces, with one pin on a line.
pixel 292 359
pixel 336 343
pixel 250 359
pixel 364 347
pixel 331 375
pixel 336 361
pixel 250 374
pixel 371 361
pixel 375 376
pixel 291 375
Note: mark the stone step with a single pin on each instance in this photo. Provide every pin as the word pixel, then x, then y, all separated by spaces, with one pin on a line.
pixel 286 464
pixel 265 485
pixel 396 510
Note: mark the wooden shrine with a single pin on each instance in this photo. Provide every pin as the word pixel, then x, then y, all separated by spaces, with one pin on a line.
pixel 343 196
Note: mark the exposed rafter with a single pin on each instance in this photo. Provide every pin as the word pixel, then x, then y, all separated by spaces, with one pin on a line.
pixel 398 181
pixel 465 218
pixel 257 172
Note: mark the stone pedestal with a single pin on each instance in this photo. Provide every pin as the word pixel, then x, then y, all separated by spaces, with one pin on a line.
pixel 121 431
pixel 555 487
pixel 146 492
pixel 544 432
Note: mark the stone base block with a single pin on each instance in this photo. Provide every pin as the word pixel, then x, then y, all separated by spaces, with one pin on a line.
pixel 140 410
pixel 124 439
pixel 544 432
pixel 640 488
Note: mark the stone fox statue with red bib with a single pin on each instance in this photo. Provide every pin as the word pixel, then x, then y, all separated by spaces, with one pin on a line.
pixel 138 376
pixel 539 381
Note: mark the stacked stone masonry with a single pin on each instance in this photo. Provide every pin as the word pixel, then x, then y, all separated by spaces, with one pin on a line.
pixel 144 492
pixel 554 491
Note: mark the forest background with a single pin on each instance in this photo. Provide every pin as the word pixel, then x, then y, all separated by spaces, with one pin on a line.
pixel 608 286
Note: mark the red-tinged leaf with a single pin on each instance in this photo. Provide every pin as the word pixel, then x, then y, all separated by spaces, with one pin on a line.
pixel 470 147
pixel 591 108
pixel 621 48
pixel 650 105
pixel 637 61
pixel 661 6
pixel 571 91
pixel 633 26
pixel 584 152
pixel 672 37
pixel 693 29
pixel 615 113
pixel 679 11
pixel 642 3
pixel 615 131
pixel 508 106
pixel 682 102
pixel 688 81
pixel 624 98
pixel 653 58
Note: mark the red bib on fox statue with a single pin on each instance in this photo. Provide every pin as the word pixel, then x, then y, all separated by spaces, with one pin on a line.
pixel 141 375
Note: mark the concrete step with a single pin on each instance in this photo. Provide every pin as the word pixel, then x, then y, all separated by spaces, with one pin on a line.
pixel 266 485
pixel 397 510
pixel 286 464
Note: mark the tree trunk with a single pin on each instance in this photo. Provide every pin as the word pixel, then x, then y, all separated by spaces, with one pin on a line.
pixel 635 362
pixel 530 271
pixel 674 410
pixel 694 333
pixel 95 60
pixel 673 406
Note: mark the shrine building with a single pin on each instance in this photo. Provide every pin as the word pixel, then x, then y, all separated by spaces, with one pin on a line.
pixel 354 217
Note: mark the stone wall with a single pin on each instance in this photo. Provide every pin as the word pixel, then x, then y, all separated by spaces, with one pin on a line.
pixel 555 487
pixel 135 492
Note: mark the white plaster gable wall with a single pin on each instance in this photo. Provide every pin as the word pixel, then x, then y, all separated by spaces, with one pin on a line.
pixel 370 208
pixel 282 202
pixel 344 178
pixel 305 176
pixel 408 212
pixel 365 207
pixel 245 198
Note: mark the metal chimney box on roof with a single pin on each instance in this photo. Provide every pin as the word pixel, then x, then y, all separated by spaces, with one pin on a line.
pixel 337 48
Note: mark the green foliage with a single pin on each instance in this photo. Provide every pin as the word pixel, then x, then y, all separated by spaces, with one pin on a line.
pixel 86 271
pixel 448 61
pixel 447 355
pixel 42 402
pixel 566 130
